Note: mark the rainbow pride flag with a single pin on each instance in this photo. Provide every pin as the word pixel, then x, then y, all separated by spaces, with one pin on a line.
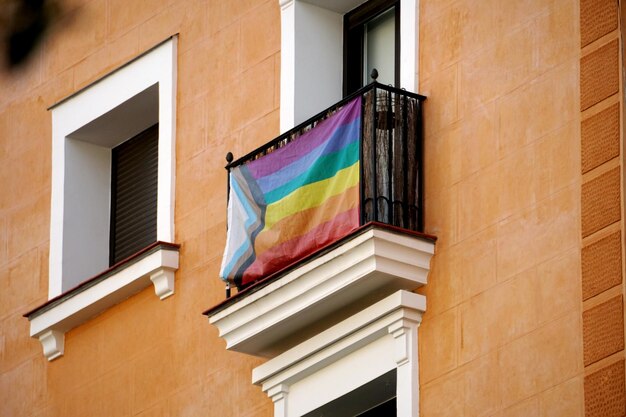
pixel 295 200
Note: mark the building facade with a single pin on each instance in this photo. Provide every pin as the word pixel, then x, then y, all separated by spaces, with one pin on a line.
pixel 518 312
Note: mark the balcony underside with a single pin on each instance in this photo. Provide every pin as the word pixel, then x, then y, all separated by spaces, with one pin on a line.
pixel 314 295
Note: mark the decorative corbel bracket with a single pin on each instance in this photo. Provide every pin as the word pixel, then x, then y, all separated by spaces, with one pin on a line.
pixel 53 343
pixel 154 265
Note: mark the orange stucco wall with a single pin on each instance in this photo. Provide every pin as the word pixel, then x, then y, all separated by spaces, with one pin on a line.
pixel 144 357
pixel 503 334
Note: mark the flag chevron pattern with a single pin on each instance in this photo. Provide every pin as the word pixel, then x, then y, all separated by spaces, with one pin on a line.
pixel 295 200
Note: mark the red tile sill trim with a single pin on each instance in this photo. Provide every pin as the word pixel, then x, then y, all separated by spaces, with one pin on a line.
pixel 90 282
pixel 257 285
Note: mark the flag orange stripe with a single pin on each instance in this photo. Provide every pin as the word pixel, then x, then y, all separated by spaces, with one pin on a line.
pixel 302 222
pixel 282 255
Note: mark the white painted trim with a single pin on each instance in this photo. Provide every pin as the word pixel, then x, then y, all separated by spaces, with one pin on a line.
pixel 404 333
pixel 287 64
pixel 50 325
pixel 53 343
pixel 163 280
pixel 368 323
pixel 167 143
pixel 364 269
pixel 384 335
pixel 158 66
pixel 409 44
pixel 307 89
pixel 279 394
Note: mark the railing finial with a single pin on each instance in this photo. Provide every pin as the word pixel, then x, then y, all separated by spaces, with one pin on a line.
pixel 374 74
pixel 229 157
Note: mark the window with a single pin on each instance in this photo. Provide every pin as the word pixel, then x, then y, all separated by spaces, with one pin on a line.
pixel 365 365
pixel 371 41
pixel 88 129
pixel 112 202
pixel 312 51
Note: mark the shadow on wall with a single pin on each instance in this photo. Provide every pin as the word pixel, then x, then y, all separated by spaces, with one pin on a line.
pixel 23 26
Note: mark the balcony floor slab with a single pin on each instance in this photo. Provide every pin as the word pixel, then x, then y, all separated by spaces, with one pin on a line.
pixel 326 289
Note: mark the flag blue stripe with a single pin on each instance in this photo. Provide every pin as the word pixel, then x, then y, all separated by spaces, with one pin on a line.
pixel 341 137
pixel 250 220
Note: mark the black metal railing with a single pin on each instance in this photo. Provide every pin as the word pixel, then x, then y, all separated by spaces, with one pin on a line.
pixel 391 169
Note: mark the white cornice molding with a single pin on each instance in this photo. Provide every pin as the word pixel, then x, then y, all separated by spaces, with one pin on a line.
pixel 363 270
pixel 285 3
pixel 314 28
pixel 397 316
pixel 384 317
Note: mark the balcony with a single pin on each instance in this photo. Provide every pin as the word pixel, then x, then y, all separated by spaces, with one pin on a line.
pixel 374 250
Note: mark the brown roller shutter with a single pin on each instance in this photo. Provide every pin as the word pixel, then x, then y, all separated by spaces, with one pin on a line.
pixel 134 194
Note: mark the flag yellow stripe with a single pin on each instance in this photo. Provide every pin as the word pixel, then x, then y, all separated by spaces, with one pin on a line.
pixel 311 195
pixel 304 221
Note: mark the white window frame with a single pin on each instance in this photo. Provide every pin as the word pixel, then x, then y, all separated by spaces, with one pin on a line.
pixel 311 65
pixel 85 127
pixel 305 321
pixel 384 335
pixel 72 239
pixel 347 356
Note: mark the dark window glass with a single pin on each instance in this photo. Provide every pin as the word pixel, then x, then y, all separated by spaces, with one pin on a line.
pixel 386 409
pixel 372 40
pixel 373 399
pixel 134 194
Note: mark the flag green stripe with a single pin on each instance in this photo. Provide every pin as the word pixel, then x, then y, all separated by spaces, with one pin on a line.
pixel 325 167
pixel 311 195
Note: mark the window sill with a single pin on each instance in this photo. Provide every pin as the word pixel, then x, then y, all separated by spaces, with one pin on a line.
pixel 368 266
pixel 155 264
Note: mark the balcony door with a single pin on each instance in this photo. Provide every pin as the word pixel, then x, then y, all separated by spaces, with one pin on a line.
pixel 372 40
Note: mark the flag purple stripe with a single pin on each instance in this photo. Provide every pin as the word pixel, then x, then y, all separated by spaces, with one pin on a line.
pixel 344 136
pixel 305 143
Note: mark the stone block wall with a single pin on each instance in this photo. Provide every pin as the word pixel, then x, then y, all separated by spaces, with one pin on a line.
pixel 602 197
